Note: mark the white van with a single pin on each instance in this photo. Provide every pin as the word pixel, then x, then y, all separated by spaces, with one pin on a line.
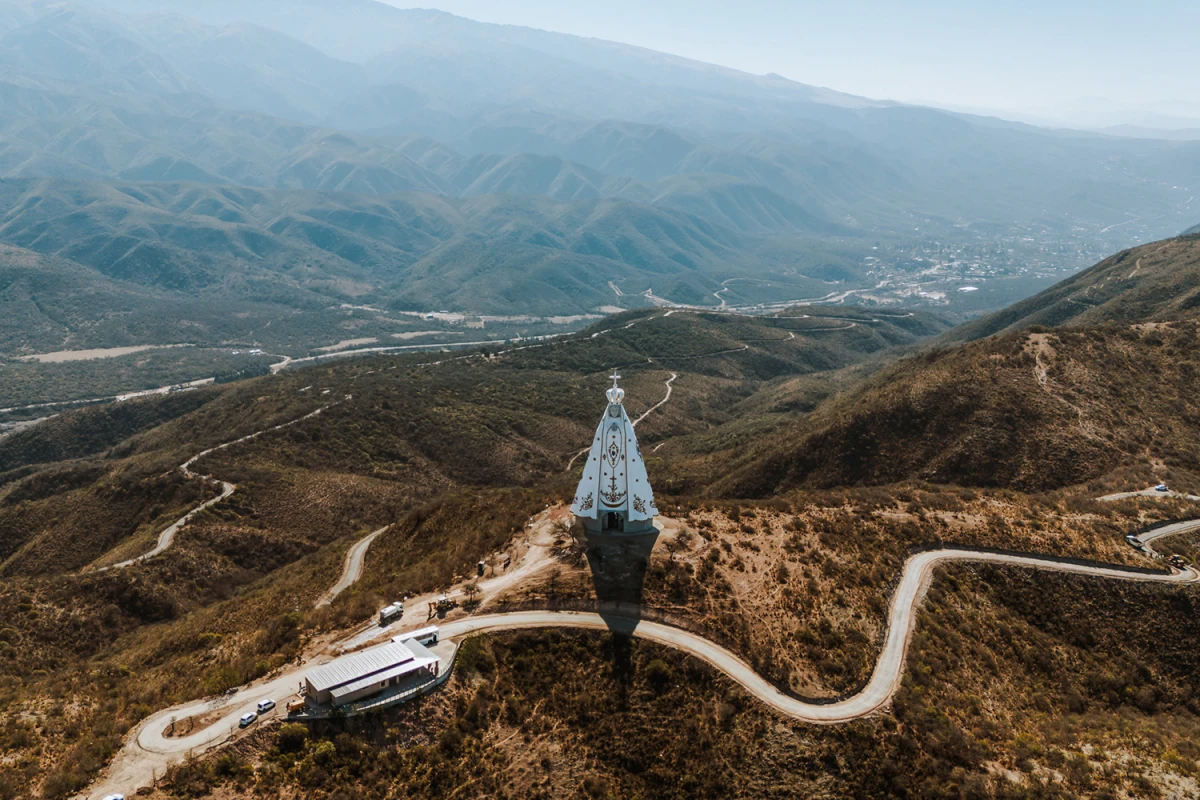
pixel 247 720
pixel 265 705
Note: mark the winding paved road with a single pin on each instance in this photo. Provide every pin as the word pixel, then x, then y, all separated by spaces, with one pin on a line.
pixel 889 669
pixel 352 568
pixel 1167 530
pixel 149 751
pixel 1151 492
pixel 167 537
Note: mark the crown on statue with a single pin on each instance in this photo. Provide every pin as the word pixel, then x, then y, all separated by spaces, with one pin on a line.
pixel 616 394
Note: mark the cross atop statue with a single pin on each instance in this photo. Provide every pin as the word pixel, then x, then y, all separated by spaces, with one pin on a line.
pixel 614 493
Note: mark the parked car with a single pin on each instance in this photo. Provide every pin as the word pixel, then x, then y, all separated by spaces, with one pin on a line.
pixel 247 720
pixel 1134 541
pixel 265 705
pixel 114 797
pixel 1162 487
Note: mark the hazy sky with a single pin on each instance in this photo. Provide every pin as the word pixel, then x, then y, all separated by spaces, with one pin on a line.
pixel 1030 56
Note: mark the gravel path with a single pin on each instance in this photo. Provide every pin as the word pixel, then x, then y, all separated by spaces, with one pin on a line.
pixel 167 537
pixel 889 669
pixel 148 751
pixel 352 568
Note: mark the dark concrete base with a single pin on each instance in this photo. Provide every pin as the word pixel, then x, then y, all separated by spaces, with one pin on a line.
pixel 624 527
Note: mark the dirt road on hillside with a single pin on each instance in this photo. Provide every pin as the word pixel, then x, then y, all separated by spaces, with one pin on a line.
pixel 148 751
pixel 889 669
pixel 167 537
pixel 352 567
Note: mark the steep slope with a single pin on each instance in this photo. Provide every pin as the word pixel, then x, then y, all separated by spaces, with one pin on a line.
pixel 70 43
pixel 251 68
pixel 1157 281
pixel 1027 411
pixel 1111 386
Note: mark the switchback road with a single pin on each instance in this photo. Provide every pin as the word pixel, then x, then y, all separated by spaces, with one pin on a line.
pixel 660 403
pixel 352 568
pixel 889 669
pixel 167 537
pixel 149 750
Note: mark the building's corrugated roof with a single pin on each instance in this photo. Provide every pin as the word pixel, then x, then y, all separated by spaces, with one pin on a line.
pixel 379 677
pixel 359 665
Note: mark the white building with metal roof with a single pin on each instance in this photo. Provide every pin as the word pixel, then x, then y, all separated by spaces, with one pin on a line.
pixel 368 672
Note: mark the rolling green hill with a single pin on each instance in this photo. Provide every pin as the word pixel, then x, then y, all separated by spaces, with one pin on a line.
pixel 85 432
pixel 622 112
pixel 44 300
pixel 245 159
pixel 410 251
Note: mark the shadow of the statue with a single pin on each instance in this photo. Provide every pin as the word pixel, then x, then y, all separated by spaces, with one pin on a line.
pixel 619 563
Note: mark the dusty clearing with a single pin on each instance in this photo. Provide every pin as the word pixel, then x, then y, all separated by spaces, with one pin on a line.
pixel 63 356
pixel 419 334
pixel 345 344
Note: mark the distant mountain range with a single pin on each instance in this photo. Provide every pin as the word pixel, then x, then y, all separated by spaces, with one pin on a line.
pixel 315 153
pixel 1141 132
pixel 160 100
pixel 491 253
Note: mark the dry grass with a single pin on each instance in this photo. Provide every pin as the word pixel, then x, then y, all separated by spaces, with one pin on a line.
pixel 800 589
pixel 1001 413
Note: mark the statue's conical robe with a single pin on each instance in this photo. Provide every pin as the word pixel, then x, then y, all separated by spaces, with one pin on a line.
pixel 614 494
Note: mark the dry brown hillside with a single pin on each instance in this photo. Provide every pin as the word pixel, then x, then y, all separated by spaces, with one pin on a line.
pixel 1032 411
pixel 1156 282
pixel 457 450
